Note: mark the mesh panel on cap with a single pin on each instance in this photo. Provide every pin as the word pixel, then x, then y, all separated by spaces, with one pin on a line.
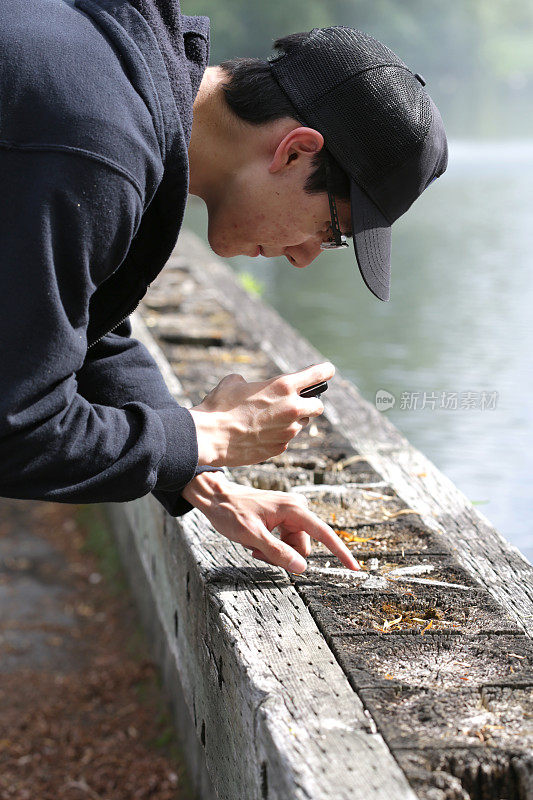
pixel 373 122
pixel 326 58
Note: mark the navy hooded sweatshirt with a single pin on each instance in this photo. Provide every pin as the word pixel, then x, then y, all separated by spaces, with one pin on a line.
pixel 95 119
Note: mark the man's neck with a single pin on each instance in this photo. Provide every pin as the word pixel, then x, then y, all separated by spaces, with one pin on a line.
pixel 222 144
pixel 212 150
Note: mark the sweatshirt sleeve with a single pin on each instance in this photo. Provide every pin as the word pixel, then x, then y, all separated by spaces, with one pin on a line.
pixel 66 223
pixel 119 369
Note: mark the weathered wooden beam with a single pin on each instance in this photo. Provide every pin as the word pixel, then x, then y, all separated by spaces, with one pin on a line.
pixel 272 709
pixel 268 704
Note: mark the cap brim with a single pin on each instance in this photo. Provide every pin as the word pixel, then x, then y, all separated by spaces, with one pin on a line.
pixel 372 242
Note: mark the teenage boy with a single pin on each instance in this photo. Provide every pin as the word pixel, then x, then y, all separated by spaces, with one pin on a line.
pixel 99 147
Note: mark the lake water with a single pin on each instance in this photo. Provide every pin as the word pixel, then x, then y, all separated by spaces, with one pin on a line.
pixel 454 345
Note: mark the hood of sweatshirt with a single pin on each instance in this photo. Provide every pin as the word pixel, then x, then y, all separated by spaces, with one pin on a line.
pixel 179 37
pixel 165 54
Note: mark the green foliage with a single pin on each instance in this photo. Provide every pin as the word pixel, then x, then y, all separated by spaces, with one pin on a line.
pixel 100 543
pixel 251 284
pixel 473 53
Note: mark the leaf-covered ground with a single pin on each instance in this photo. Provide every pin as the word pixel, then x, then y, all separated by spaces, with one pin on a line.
pixel 82 714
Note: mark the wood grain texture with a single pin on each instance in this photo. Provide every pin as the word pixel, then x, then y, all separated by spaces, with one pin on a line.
pixel 272 708
pixel 140 331
pixel 270 712
pixel 481 549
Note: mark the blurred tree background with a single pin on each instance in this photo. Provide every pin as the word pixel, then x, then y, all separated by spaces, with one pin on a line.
pixel 476 55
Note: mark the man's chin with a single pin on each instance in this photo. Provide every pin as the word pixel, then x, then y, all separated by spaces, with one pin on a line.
pixel 227 250
pixel 221 249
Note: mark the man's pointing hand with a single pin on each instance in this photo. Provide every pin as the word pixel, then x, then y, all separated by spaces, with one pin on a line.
pixel 249 516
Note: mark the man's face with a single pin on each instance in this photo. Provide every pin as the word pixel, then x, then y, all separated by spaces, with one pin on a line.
pixel 259 208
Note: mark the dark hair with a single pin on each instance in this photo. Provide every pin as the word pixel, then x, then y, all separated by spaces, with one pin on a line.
pixel 256 97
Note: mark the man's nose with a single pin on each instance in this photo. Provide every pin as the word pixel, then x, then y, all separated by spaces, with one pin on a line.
pixel 301 255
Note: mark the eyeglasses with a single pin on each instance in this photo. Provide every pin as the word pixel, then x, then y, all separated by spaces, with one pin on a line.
pixel 337 240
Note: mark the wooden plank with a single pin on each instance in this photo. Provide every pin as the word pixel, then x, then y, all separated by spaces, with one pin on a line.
pixel 481 549
pixel 273 710
pixel 274 714
pixel 139 330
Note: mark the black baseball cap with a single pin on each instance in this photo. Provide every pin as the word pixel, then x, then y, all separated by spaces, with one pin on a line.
pixel 378 123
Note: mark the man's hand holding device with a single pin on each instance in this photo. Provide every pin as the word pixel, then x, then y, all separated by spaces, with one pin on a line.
pixel 240 423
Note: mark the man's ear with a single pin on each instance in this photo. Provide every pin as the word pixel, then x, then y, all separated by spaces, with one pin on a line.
pixel 303 142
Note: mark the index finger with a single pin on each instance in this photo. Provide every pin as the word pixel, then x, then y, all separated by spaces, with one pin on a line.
pixel 311 375
pixel 305 520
